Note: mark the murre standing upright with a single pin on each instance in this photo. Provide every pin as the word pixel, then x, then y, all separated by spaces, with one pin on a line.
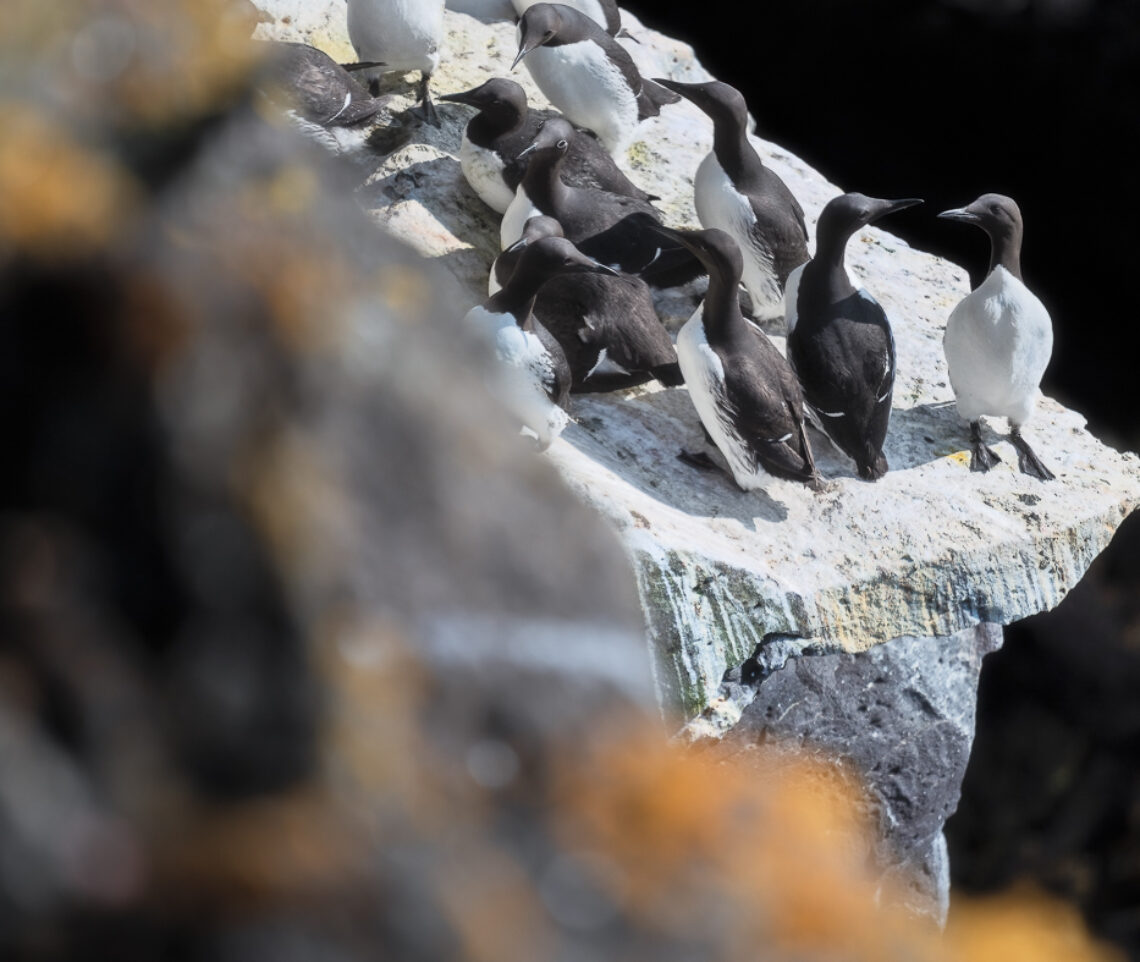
pixel 612 228
pixel 403 35
pixel 736 193
pixel 536 378
pixel 999 338
pixel 587 74
pixel 746 395
pixel 495 138
pixel 839 339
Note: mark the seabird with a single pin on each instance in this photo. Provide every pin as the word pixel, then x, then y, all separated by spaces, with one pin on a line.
pixel 536 377
pixel 319 89
pixel 587 74
pixel 496 137
pixel 839 340
pixel 611 228
pixel 505 263
pixel 736 193
pixel 998 338
pixel 401 35
pixel 746 395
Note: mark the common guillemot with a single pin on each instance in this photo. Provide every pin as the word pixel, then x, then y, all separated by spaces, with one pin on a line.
pixel 319 89
pixel 504 127
pixel 403 35
pixel 735 192
pixel 536 377
pixel 611 228
pixel 839 339
pixel 587 74
pixel 999 338
pixel 746 395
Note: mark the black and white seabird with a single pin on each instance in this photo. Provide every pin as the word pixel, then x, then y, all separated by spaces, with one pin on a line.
pixel 587 74
pixel 537 377
pixel 839 339
pixel 401 35
pixel 736 193
pixel 746 395
pixel 504 265
pixel 611 228
pixel 604 13
pixel 504 127
pixel 606 324
pixel 999 338
pixel 319 89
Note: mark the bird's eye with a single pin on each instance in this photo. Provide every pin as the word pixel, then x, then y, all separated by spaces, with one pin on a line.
pixel 562 144
pixel 548 35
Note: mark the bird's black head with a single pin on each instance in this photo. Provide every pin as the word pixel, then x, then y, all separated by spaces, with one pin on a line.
pixel 497 96
pixel 847 213
pixel 996 214
pixel 547 256
pixel 539 25
pixel 718 253
pixel 1000 217
pixel 552 141
pixel 724 104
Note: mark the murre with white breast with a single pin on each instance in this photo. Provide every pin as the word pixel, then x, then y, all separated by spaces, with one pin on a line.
pixel 839 339
pixel 403 35
pixel 746 395
pixel 999 338
pixel 504 127
pixel 536 378
pixel 587 74
pixel 735 192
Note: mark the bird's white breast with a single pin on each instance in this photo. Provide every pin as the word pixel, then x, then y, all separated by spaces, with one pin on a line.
pixel 704 377
pixel 518 212
pixel 483 169
pixel 404 34
pixel 998 343
pixel 719 204
pixel 526 373
pixel 589 88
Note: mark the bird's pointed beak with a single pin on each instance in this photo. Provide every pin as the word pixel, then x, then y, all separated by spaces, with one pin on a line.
pixel 893 206
pixel 675 85
pixel 530 149
pixel 463 97
pixel 524 49
pixel 963 214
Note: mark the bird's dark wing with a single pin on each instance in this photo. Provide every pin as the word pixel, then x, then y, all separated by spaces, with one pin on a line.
pixel 764 406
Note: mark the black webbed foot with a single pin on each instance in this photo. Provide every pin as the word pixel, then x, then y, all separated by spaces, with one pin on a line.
pixel 1027 460
pixel 982 458
pixel 427 111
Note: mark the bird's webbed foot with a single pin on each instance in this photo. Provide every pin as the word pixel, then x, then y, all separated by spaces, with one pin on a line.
pixel 1027 460
pixel 982 458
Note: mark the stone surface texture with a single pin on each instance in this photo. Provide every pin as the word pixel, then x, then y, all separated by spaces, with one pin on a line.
pixel 901 714
pixel 930 550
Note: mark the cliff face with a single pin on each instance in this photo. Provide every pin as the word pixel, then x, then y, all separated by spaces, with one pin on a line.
pixel 930 550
